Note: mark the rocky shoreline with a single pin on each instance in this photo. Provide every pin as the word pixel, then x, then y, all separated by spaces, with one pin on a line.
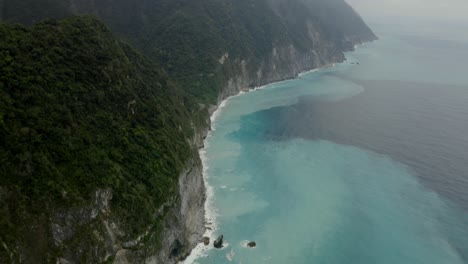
pixel 234 88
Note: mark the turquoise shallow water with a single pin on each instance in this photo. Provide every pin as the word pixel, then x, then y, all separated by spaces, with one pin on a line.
pixel 335 167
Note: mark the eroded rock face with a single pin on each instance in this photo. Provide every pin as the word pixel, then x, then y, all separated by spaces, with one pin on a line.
pixel 284 62
pixel 184 218
pixel 183 221
pixel 65 222
pixel 176 249
pixel 66 226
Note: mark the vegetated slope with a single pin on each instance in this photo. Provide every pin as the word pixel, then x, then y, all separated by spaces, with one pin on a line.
pixel 82 115
pixel 189 37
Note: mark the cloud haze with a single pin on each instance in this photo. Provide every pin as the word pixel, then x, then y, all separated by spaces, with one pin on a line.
pixel 445 10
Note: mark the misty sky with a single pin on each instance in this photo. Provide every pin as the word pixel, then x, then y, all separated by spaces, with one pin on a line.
pixel 445 10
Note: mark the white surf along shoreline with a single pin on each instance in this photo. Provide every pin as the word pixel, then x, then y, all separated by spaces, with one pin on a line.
pixel 211 213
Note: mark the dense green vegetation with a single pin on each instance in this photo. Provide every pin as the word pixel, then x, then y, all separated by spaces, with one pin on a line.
pixel 189 40
pixel 80 111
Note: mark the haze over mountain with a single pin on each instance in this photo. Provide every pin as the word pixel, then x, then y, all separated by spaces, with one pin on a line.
pixel 449 10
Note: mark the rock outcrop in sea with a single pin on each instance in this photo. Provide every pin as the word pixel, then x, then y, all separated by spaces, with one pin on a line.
pixel 218 243
pixel 251 244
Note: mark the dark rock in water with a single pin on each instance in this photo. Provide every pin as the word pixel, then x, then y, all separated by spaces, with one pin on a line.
pixel 251 244
pixel 218 242
pixel 206 241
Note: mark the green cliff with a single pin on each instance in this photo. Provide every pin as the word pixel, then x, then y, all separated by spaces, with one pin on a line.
pixel 80 112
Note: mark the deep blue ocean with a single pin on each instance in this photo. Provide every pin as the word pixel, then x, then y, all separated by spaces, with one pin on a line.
pixel 362 163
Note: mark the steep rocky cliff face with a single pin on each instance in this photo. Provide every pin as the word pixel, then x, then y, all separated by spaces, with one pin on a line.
pixel 283 63
pixel 145 206
pixel 96 146
pixel 182 225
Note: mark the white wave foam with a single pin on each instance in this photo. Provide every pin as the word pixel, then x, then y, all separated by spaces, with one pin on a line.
pixel 230 255
pixel 307 72
pixel 244 243
pixel 218 110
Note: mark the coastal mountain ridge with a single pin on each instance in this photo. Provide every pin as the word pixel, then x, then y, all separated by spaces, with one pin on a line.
pixel 104 105
pixel 188 38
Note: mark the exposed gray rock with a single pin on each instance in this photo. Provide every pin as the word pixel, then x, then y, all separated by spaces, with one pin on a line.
pixel 284 62
pixel 121 257
pixel 102 199
pixel 65 222
pixel 184 219
pixel 129 244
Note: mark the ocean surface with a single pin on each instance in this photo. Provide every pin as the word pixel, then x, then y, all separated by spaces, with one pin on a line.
pixel 365 162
